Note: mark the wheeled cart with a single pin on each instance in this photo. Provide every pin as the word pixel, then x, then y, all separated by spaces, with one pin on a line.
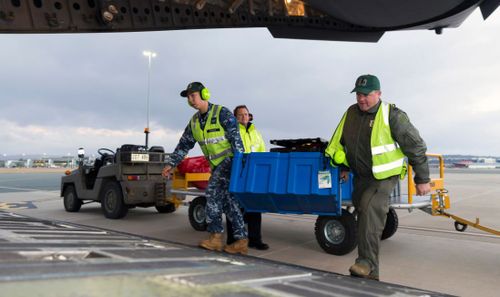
pixel 297 183
pixel 190 178
pixel 292 183
pixel 306 183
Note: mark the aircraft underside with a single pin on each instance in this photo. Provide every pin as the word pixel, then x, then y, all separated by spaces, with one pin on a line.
pixel 344 20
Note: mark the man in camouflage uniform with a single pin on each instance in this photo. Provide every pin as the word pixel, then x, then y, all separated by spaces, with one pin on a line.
pixel 372 140
pixel 216 130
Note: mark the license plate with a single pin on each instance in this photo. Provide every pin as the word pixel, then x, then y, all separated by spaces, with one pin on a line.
pixel 140 158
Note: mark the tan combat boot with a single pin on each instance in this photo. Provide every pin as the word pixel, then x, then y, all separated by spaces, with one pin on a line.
pixel 213 243
pixel 240 246
pixel 362 270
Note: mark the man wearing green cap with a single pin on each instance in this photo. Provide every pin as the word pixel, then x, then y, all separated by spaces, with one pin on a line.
pixel 372 140
pixel 216 130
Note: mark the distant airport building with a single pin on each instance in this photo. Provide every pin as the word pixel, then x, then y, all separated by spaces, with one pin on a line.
pixel 45 162
pixel 42 163
pixel 60 162
pixel 18 163
pixel 66 161
pixel 487 160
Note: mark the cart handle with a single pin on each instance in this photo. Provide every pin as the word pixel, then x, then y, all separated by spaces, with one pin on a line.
pixel 436 183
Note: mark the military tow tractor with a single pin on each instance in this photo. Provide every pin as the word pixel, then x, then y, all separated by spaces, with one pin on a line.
pixel 119 180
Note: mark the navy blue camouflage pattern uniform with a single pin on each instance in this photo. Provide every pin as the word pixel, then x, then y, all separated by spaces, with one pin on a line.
pixel 219 199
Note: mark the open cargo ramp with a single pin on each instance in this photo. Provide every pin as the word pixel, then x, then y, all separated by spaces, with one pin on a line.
pixel 52 258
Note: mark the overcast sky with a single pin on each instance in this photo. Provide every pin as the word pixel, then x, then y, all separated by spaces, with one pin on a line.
pixel 64 91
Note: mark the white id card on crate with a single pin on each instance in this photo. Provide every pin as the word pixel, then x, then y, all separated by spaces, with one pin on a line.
pixel 324 180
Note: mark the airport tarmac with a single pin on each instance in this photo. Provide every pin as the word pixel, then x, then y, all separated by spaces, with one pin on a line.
pixel 426 252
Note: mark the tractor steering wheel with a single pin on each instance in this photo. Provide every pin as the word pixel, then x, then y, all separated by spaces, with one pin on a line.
pixel 102 151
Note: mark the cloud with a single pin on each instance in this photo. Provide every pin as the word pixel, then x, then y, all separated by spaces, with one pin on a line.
pixel 34 139
pixel 64 84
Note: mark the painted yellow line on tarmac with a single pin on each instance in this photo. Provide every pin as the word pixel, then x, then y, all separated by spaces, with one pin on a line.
pixel 17 205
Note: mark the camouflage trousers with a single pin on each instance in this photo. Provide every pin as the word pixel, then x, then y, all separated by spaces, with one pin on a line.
pixel 219 201
pixel 371 199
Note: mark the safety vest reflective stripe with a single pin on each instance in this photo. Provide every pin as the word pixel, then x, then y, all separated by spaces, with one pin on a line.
pixel 385 112
pixel 384 148
pixel 213 140
pixel 221 154
pixel 388 166
pixel 387 157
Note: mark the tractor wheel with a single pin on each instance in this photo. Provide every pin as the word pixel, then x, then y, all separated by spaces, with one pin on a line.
pixel 112 203
pixel 166 208
pixel 197 213
pixel 71 201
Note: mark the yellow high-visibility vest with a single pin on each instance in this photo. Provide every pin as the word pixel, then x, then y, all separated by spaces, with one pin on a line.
pixel 387 157
pixel 212 139
pixel 252 140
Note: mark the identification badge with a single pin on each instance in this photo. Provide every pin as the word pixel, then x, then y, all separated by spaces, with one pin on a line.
pixel 324 180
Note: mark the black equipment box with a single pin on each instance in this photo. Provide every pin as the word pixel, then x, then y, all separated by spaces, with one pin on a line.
pixel 127 150
pixel 299 145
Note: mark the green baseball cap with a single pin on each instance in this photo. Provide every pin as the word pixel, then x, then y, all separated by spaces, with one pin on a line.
pixel 366 84
pixel 192 87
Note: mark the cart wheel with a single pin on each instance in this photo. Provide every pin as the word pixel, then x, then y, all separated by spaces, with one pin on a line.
pixel 391 224
pixel 460 227
pixel 71 201
pixel 166 208
pixel 336 235
pixel 112 204
pixel 197 213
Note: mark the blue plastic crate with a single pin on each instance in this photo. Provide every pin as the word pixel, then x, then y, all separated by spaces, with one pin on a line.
pixel 286 183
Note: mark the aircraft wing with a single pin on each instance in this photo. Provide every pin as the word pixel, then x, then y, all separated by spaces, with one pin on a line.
pixel 343 20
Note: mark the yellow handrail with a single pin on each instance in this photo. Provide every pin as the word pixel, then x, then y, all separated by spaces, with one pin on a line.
pixel 436 183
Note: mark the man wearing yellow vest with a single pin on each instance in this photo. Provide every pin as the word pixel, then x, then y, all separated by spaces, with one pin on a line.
pixel 372 140
pixel 253 142
pixel 215 129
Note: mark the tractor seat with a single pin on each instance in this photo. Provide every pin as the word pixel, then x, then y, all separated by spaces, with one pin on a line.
pixel 98 163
